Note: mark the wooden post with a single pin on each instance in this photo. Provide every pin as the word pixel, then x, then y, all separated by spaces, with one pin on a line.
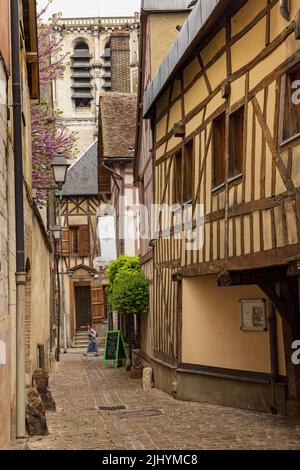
pixel 291 332
pixel 273 354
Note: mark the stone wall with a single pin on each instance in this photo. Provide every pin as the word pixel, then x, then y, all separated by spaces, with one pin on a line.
pixel 7 269
pixel 37 291
pixel 83 121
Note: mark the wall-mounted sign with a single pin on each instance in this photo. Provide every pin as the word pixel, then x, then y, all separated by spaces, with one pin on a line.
pixel 254 315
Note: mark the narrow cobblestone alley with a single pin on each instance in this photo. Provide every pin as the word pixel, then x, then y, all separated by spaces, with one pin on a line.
pixel 151 421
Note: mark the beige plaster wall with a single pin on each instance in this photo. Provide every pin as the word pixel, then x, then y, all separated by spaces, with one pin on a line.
pixel 211 333
pixel 163 33
pixel 40 294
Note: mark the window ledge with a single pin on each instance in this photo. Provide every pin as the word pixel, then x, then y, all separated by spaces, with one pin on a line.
pixel 290 139
pixel 217 188
pixel 182 205
pixel 230 180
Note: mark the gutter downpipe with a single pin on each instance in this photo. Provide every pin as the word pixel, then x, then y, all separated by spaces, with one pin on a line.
pixel 285 9
pixel 19 220
pixel 63 299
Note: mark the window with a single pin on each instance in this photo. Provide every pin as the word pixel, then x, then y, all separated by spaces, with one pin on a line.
pixel 188 172
pixel 177 182
pixel 291 121
pixel 104 181
pixel 79 239
pixel 81 75
pixel 82 103
pixel 74 237
pixel 219 151
pixel 81 46
pixel 183 175
pixel 236 144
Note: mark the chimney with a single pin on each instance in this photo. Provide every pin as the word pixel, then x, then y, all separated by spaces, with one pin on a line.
pixel 120 62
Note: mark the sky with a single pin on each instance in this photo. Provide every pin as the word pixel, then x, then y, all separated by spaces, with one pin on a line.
pixel 85 8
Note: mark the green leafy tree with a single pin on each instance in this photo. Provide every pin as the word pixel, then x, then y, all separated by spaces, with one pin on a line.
pixel 129 263
pixel 128 290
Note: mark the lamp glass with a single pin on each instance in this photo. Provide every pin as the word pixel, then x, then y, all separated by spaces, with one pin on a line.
pixel 56 230
pixel 60 173
pixel 60 167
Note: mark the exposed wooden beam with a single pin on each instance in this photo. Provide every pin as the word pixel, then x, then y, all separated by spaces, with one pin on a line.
pixel 31 57
pixel 269 276
pixel 276 300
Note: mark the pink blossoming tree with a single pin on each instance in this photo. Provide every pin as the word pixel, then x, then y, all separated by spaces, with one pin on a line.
pixel 49 135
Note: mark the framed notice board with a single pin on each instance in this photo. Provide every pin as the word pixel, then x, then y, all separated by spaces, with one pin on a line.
pixel 115 348
pixel 254 315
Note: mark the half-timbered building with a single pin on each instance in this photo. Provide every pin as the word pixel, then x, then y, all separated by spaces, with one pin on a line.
pixel 160 22
pixel 82 292
pixel 225 138
pixel 117 116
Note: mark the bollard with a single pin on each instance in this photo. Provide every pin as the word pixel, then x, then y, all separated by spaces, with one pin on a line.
pixel 147 379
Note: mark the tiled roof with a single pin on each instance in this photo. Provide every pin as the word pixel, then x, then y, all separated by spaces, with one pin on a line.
pixel 117 120
pixel 82 177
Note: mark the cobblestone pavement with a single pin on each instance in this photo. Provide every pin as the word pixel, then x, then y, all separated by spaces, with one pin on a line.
pixel 81 385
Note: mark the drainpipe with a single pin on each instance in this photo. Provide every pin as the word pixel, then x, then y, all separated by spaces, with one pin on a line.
pixel 63 293
pixel 285 9
pixel 19 217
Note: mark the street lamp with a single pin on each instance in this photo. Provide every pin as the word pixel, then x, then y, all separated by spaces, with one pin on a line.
pixel 56 230
pixel 60 167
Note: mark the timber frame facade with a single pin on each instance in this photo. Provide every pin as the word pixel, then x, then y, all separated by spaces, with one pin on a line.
pixel 157 33
pixel 77 212
pixel 226 134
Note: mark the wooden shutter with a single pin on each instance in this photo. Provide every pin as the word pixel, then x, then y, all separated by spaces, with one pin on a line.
pixel 65 239
pixel 97 303
pixel 84 240
pixel 31 45
pixel 104 181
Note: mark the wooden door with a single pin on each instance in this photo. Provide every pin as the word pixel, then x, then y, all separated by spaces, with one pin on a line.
pixel 83 307
pixel 98 303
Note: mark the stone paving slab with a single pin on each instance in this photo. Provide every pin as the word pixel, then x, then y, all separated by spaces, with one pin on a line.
pixel 80 386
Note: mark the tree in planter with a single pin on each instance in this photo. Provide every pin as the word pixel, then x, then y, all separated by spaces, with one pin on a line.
pixel 130 296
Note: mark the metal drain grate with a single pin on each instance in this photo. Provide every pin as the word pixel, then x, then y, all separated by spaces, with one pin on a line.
pixel 139 414
pixel 112 408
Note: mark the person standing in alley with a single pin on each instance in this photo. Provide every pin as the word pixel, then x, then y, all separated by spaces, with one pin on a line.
pixel 93 346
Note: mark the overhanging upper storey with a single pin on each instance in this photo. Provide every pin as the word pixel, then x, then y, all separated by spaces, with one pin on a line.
pixel 31 44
